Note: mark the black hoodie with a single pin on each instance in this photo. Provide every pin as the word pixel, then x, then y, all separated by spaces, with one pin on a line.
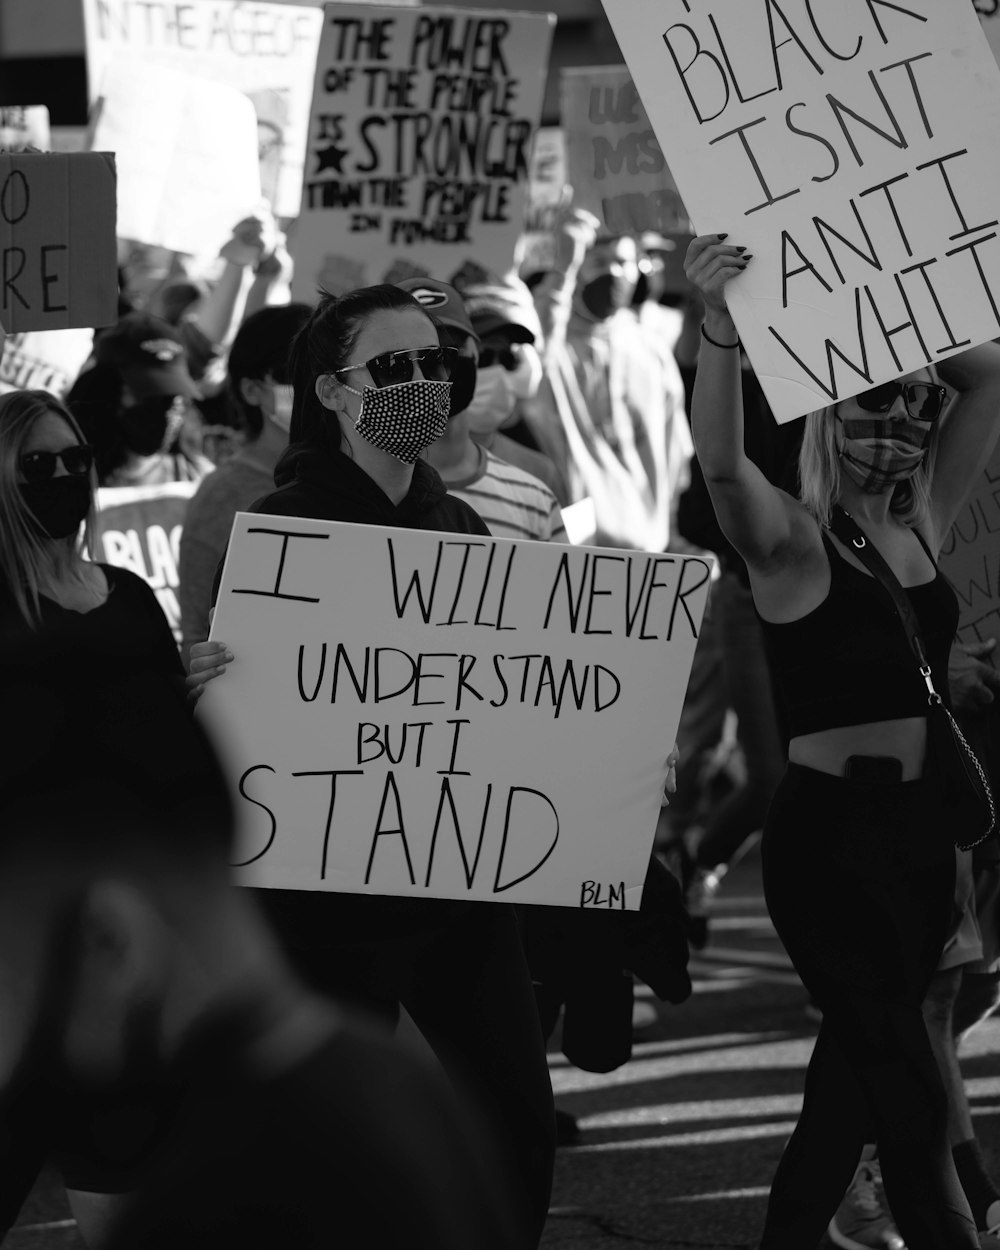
pixel 327 485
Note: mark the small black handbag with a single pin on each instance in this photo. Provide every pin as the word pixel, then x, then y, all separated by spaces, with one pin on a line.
pixel 966 788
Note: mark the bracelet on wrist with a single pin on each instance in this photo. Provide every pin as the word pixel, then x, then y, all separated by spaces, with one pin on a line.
pixel 715 343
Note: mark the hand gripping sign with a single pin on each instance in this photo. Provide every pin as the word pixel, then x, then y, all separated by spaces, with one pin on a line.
pixel 448 716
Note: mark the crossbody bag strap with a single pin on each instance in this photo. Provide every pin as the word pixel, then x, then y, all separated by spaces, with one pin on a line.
pixel 851 534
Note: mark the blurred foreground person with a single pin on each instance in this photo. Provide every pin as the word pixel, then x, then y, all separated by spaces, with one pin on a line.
pixel 154 1042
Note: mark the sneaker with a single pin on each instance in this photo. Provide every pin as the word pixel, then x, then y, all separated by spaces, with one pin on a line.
pixel 862 1222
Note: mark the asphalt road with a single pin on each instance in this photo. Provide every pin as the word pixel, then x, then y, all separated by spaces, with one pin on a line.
pixel 678 1147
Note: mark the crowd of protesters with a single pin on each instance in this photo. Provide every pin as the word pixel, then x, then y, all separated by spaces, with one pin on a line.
pixel 159 1020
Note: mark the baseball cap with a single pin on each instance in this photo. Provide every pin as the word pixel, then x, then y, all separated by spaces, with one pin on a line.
pixel 441 301
pixel 149 354
pixel 498 308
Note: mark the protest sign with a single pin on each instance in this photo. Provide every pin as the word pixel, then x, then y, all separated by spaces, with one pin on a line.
pixel 547 187
pixel 58 253
pixel 187 156
pixel 267 51
pixel 419 142
pixel 970 558
pixel 139 528
pixel 854 148
pixel 615 165
pixel 449 716
pixel 24 126
pixel 44 360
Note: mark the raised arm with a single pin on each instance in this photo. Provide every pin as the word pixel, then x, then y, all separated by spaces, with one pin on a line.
pixel 969 431
pixel 756 517
pixel 575 231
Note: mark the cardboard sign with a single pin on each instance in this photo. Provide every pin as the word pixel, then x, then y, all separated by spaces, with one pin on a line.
pixel 419 144
pixel 854 148
pixel 267 51
pixel 970 558
pixel 58 253
pixel 48 360
pixel 547 183
pixel 448 715
pixel 24 126
pixel 139 528
pixel 616 168
pixel 187 156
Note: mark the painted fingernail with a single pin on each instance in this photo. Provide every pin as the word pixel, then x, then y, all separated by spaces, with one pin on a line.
pixel 741 249
pixel 722 236
pixel 749 256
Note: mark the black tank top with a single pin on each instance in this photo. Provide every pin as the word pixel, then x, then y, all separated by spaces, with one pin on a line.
pixel 848 661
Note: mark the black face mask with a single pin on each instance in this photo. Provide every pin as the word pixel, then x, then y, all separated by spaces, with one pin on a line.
pixel 58 504
pixel 605 295
pixel 144 425
pixel 463 384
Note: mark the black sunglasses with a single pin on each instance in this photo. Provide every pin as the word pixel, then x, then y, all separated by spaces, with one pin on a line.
pixel 39 466
pixel 923 401
pixel 392 368
pixel 505 356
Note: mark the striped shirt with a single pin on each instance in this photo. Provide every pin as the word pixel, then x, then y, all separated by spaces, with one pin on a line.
pixel 512 502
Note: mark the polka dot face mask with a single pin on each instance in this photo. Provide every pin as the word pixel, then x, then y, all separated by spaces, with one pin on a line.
pixel 404 419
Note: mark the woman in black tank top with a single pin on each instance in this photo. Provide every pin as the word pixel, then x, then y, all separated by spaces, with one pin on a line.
pixel 857 852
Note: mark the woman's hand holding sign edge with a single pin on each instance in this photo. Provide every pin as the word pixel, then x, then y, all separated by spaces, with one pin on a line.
pixel 208 659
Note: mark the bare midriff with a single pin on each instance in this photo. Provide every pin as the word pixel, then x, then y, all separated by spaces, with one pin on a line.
pixel 829 750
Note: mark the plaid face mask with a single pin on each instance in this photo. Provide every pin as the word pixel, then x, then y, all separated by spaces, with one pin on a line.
pixel 404 419
pixel 878 454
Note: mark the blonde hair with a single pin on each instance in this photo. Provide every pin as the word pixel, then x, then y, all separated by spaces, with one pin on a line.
pixel 820 472
pixel 24 552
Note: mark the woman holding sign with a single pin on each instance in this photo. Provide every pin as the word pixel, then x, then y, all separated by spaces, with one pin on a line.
pixel 858 856
pixel 372 390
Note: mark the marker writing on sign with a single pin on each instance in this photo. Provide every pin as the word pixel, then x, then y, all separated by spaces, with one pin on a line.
pixel 285 536
pixel 23 273
pixel 383 674
pixel 405 836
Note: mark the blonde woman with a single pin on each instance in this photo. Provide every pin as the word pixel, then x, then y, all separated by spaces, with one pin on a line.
pixel 47 578
pixel 858 857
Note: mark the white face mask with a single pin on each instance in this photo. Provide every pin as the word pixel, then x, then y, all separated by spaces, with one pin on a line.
pixel 493 400
pixel 281 405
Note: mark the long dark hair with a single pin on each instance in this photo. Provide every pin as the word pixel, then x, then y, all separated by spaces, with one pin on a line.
pixel 326 343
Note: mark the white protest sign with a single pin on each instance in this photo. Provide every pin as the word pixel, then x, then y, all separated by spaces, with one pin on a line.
pixel 24 126
pixel 44 360
pixel 853 146
pixel 267 51
pixel 615 165
pixel 447 715
pixel 419 143
pixel 970 558
pixel 139 528
pixel 187 156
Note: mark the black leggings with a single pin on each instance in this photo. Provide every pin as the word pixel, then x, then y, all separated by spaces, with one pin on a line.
pixel 859 881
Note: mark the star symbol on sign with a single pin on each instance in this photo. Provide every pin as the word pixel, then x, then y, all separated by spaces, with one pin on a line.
pixel 330 157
